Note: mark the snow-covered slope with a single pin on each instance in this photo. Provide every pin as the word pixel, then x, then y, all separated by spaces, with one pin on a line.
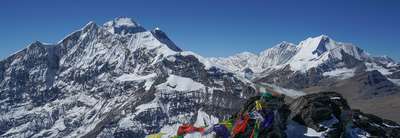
pixel 315 58
pixel 114 80
pixel 313 52
pixel 267 59
pixel 237 63
pixel 123 26
pixel 277 55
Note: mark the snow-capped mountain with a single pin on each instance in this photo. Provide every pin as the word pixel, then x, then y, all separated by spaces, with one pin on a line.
pixel 114 80
pixel 313 52
pixel 319 54
pixel 323 64
pixel 267 59
pixel 122 80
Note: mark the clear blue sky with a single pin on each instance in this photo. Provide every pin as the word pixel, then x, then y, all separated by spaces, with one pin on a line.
pixel 211 27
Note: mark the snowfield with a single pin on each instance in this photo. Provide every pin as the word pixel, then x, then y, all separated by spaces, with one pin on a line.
pixel 178 83
pixel 288 92
pixel 342 73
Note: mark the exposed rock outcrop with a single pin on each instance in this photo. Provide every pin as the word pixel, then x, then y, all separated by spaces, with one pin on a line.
pixel 324 114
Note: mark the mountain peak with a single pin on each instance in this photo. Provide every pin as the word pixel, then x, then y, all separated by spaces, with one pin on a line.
pixel 37 43
pixel 123 26
pixel 322 37
pixel 317 45
pixel 122 21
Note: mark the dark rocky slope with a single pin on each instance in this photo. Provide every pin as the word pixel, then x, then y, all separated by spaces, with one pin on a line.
pixel 327 113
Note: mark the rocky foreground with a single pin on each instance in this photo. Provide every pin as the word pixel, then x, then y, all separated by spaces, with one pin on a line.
pixel 324 114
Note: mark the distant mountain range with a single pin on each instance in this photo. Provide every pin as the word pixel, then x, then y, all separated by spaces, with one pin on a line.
pixel 370 83
pixel 322 54
pixel 122 80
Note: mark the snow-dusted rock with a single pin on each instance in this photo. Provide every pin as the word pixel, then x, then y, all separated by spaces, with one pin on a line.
pixel 313 62
pixel 115 80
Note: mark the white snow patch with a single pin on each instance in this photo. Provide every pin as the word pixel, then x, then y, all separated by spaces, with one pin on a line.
pixel 204 120
pixel 373 66
pixel 124 22
pixel 178 83
pixel 59 125
pixel 312 133
pixel 135 77
pixel 171 58
pixel 335 98
pixel 149 42
pixel 289 92
pixel 164 50
pixel 138 78
pixel 387 125
pixel 150 105
pixel 342 73
pixel 148 85
pixel 395 81
pixel 126 122
pixel 329 123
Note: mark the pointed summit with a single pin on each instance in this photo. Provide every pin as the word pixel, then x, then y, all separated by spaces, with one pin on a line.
pixel 123 26
pixel 316 45
pixel 323 36
pixel 37 43
pixel 322 45
pixel 122 21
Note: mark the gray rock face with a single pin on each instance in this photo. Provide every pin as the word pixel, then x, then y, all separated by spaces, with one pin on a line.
pixel 163 38
pixel 294 80
pixel 376 126
pixel 116 80
pixel 27 71
pixel 313 109
pixel 375 84
pixel 395 75
pixel 326 113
